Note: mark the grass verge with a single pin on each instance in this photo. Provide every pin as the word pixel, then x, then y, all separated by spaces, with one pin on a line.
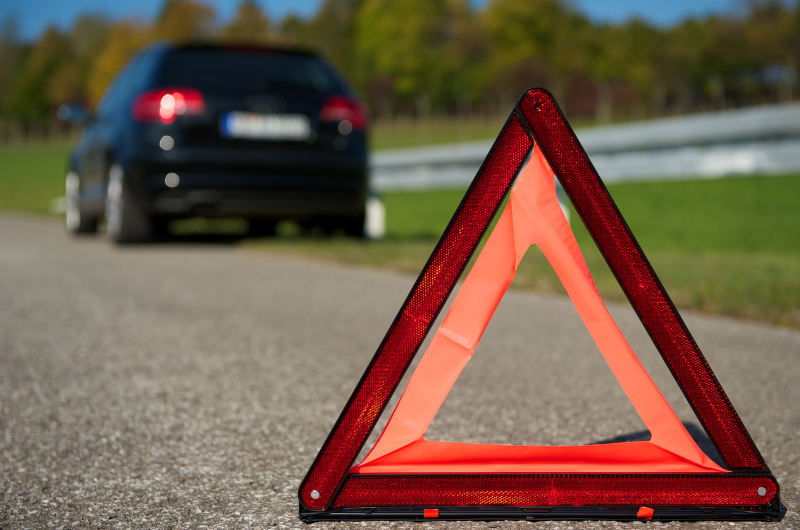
pixel 32 175
pixel 727 246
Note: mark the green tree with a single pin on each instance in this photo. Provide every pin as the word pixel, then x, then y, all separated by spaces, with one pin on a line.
pixel 183 20
pixel 522 30
pixel 85 41
pixel 123 41
pixel 537 41
pixel 332 32
pixel 294 30
pixel 29 98
pixel 769 29
pixel 10 57
pixel 421 33
pixel 442 53
pixel 87 38
pixel 250 24
pixel 466 55
pixel 628 52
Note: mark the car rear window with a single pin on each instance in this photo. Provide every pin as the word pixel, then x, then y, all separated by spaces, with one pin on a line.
pixel 237 70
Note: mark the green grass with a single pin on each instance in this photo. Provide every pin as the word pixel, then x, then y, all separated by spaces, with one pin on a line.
pixel 31 176
pixel 420 215
pixel 740 215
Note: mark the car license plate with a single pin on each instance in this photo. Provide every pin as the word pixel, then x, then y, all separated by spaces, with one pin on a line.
pixel 265 126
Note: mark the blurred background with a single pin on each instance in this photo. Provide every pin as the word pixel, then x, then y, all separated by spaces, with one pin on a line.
pixel 429 62
pixel 447 72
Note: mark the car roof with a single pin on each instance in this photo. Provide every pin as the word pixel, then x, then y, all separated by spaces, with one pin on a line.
pixel 243 46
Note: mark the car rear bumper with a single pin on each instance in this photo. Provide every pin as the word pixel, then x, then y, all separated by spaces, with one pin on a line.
pixel 249 190
pixel 225 202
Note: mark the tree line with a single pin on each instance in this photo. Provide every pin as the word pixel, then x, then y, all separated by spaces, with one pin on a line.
pixel 423 58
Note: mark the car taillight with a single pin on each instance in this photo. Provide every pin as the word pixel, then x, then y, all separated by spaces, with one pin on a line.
pixel 339 108
pixel 164 104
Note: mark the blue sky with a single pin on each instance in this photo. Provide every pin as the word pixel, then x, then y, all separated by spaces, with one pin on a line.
pixel 35 15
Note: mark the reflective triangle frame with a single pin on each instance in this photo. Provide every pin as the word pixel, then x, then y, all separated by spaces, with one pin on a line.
pixel 331 491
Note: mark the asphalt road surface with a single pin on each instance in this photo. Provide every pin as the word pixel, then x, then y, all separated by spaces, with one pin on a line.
pixel 189 385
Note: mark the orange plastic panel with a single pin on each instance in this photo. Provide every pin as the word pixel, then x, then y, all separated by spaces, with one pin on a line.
pixel 532 217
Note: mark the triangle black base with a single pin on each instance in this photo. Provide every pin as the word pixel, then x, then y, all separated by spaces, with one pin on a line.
pixel 773 512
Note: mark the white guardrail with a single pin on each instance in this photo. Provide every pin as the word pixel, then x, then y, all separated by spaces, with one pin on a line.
pixel 761 140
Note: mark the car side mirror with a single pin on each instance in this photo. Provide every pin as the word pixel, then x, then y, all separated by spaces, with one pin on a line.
pixel 74 113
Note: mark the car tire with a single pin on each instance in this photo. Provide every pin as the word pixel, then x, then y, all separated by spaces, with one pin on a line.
pixel 126 222
pixel 77 220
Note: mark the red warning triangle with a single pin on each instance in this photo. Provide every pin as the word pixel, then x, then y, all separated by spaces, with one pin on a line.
pixel 407 477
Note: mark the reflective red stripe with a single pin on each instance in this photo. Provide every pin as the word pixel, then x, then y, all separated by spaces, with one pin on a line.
pixel 636 277
pixel 415 318
pixel 557 490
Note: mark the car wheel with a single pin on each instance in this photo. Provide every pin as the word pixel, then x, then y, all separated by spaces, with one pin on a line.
pixel 125 220
pixel 78 221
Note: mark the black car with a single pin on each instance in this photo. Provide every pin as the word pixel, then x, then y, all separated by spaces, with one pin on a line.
pixel 221 131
